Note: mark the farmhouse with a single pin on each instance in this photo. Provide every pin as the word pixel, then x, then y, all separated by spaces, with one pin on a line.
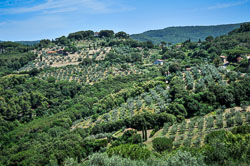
pixel 158 62
pixel 51 52
pixel 96 34
pixel 239 59
pixel 224 60
pixel 178 45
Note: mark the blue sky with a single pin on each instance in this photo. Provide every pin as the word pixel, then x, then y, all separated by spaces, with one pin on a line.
pixel 48 19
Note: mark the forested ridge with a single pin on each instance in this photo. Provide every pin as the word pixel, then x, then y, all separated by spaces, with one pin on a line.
pixel 105 99
pixel 180 34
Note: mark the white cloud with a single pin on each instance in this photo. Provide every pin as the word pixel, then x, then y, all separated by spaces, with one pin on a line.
pixel 227 5
pixel 53 18
pixel 59 6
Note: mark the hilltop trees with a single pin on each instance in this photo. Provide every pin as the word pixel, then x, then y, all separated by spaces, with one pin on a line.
pixel 122 34
pixel 209 38
pixel 106 33
pixel 62 40
pixel 243 28
pixel 44 43
pixel 81 35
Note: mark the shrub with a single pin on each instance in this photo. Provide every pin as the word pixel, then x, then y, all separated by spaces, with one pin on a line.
pixel 191 125
pixel 183 127
pixel 70 162
pixel 247 114
pixel 232 111
pixel 182 158
pixel 241 130
pixel 187 142
pixel 219 112
pixel 230 122
pixel 136 139
pixel 165 128
pixel 200 124
pixel 156 128
pixel 210 122
pixel 51 80
pixel 220 135
pixel 102 159
pixel 197 142
pixel 219 121
pixel 131 151
pixel 177 144
pixel 238 119
pixel 225 148
pixel 161 144
pixel 173 129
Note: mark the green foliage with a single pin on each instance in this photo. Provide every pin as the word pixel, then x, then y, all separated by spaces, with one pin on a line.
pixel 243 28
pixel 161 144
pixel 44 43
pixel 215 135
pixel 130 151
pixel 122 35
pixel 182 127
pixel 219 121
pixel 224 148
pixel 136 122
pixel 238 119
pixel 53 122
pixel 174 67
pixel 53 131
pixel 106 33
pixel 81 35
pixel 70 162
pixel 174 129
pixel 201 124
pixel 181 158
pixel 14 56
pixel 210 122
pixel 130 136
pixel 157 128
pixel 182 34
pixel 241 129
pixel 165 128
pixel 102 159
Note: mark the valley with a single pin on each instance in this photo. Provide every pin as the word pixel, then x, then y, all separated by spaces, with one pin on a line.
pixel 94 98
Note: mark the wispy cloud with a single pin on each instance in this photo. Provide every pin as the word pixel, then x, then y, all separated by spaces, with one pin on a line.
pixel 59 6
pixel 53 18
pixel 227 5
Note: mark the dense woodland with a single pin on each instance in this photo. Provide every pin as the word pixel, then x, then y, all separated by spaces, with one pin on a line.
pixel 100 99
pixel 176 35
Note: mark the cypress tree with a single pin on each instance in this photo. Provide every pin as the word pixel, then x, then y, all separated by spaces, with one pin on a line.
pixel 145 128
pixel 143 134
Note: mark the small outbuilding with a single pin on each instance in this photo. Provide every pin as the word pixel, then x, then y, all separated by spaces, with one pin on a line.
pixel 158 62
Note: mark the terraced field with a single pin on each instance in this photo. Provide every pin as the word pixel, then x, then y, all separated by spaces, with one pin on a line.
pixel 192 132
pixel 87 74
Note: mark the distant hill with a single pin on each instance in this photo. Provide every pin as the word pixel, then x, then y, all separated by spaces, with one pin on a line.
pixel 180 34
pixel 28 42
